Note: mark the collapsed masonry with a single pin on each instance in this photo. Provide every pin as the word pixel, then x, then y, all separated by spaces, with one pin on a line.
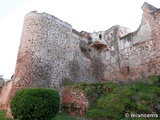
pixel 51 52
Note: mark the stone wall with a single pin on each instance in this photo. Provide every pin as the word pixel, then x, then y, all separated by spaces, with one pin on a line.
pixel 74 101
pixel 44 53
pixel 49 52
pixel 4 95
pixel 137 54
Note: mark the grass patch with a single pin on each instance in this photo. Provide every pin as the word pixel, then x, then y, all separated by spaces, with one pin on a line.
pixel 3 115
pixel 59 116
pixel 63 117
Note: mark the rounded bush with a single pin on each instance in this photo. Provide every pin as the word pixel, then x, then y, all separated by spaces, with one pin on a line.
pixel 35 103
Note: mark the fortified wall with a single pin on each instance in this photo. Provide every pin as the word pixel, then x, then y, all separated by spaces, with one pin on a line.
pixel 51 52
pixel 136 54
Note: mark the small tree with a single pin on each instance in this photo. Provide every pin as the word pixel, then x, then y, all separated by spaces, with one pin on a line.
pixel 35 103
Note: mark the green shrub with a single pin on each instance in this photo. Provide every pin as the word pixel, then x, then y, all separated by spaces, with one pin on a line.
pixel 35 103
pixel 98 113
pixel 133 97
pixel 96 90
pixel 108 100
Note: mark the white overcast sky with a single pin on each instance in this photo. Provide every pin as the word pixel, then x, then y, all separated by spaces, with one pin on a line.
pixel 87 15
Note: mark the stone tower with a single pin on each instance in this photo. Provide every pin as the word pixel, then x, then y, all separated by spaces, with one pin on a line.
pixel 50 53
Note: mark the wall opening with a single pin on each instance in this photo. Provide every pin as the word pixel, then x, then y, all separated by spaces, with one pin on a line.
pixel 128 69
pixel 100 36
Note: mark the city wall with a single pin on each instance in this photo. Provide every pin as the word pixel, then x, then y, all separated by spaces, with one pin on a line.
pixel 49 52
pixel 137 54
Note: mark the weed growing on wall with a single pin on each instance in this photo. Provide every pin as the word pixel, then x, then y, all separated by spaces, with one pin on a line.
pixel 67 82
